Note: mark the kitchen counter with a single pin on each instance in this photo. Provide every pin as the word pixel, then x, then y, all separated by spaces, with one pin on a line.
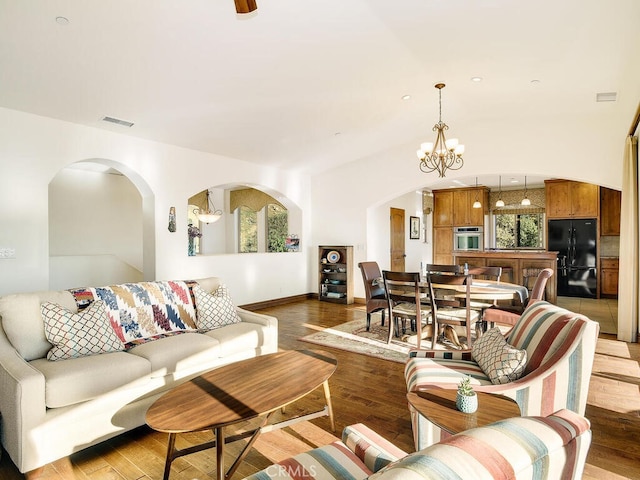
pixel 512 263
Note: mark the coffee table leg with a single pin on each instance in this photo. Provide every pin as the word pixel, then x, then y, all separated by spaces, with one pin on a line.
pixel 220 475
pixel 327 396
pixel 170 450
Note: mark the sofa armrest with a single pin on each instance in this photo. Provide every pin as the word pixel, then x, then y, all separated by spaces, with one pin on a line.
pixel 259 318
pixel 22 398
pixel 373 450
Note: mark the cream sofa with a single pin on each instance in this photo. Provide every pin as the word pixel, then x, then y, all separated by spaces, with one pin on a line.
pixel 51 409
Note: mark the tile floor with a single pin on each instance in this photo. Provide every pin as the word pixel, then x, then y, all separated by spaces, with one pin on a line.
pixel 604 311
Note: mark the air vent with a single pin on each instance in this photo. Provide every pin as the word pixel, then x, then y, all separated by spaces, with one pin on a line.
pixel 117 121
pixel 606 97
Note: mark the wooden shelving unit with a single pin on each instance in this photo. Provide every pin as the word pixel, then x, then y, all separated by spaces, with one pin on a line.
pixel 335 274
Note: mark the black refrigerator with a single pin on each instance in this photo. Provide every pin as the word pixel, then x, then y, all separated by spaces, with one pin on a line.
pixel 575 242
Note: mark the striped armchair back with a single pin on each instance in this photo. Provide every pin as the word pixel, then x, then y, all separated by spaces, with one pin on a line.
pixel 546 331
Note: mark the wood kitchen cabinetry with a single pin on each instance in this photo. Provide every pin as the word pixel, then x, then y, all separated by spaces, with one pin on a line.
pixel 609 277
pixel 569 199
pixel 454 208
pixel 610 203
pixel 463 212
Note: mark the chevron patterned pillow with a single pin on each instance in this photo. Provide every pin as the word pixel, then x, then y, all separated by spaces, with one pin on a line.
pixel 214 310
pixel 501 362
pixel 78 334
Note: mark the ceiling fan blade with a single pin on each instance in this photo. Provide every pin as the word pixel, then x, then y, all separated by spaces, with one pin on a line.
pixel 245 6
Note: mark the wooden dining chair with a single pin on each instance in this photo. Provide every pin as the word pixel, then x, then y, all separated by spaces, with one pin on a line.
pixel 406 296
pixel 450 301
pixel 375 294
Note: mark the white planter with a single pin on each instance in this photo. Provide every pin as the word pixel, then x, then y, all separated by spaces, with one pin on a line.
pixel 467 403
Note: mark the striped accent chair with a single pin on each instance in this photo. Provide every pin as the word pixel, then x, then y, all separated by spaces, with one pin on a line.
pixel 560 347
pixel 522 447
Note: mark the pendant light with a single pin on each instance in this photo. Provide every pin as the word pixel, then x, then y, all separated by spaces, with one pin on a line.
pixel 500 202
pixel 209 213
pixel 477 203
pixel 525 201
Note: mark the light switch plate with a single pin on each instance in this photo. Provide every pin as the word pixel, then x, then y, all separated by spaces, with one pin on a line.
pixel 7 253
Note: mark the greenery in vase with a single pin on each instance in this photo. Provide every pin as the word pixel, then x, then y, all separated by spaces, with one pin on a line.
pixel 465 388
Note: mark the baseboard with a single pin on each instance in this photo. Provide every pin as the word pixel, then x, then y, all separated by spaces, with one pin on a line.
pixel 285 300
pixel 278 301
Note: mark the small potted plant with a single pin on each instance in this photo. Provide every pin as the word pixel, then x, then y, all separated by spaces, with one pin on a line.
pixel 466 399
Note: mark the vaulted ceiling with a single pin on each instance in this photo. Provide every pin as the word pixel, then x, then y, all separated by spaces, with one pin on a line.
pixel 311 84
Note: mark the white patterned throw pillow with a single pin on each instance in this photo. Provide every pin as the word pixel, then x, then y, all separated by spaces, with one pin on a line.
pixel 501 362
pixel 73 335
pixel 214 310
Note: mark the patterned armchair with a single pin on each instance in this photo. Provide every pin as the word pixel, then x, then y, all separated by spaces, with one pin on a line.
pixel 513 448
pixel 560 347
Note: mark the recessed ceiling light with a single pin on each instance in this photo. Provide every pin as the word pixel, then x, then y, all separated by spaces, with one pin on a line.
pixel 514 180
pixel 535 81
pixel 406 97
pixel 62 20
pixel 476 79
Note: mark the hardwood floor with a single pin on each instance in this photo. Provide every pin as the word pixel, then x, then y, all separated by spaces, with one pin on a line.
pixel 367 390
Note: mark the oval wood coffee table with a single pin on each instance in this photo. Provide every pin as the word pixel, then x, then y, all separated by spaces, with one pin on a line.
pixel 439 407
pixel 240 391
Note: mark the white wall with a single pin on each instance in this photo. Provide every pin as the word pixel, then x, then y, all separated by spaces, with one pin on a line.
pixel 33 150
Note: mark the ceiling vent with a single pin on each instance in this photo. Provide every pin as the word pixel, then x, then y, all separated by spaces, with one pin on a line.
pixel 117 121
pixel 606 97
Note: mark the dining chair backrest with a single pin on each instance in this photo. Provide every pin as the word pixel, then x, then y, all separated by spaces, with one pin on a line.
pixel 442 268
pixel 537 293
pixel 371 277
pixel 404 288
pixel 486 273
pixel 449 303
pixel 375 295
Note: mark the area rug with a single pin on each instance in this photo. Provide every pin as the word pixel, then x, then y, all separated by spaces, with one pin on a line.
pixel 353 337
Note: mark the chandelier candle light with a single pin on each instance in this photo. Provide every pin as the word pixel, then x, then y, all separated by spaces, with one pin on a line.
pixel 444 154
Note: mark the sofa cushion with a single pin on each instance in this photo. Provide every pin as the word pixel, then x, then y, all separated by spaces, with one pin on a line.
pixel 434 371
pixel 239 337
pixel 78 334
pixel 144 309
pixel 500 361
pixel 179 352
pixel 76 380
pixel 22 320
pixel 214 310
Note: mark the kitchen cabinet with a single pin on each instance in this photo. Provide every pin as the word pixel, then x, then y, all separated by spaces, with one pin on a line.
pixel 569 199
pixel 443 208
pixel 454 208
pixel 335 274
pixel 463 212
pixel 610 203
pixel 442 245
pixel 609 277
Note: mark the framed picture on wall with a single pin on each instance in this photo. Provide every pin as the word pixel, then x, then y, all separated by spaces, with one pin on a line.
pixel 414 228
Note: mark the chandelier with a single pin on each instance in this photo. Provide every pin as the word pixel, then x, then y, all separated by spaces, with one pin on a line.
pixel 444 154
